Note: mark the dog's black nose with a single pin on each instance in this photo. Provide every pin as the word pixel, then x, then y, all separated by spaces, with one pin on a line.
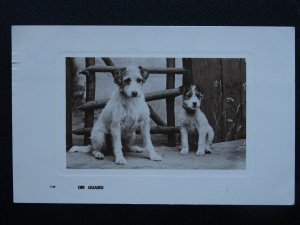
pixel 134 94
pixel 194 103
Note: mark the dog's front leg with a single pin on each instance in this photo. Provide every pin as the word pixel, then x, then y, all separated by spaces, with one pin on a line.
pixel 202 130
pixel 145 130
pixel 184 141
pixel 117 144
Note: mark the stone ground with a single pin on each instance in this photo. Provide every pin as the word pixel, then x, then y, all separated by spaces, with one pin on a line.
pixel 226 155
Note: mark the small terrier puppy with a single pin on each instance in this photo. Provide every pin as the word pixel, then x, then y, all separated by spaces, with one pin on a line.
pixel 193 122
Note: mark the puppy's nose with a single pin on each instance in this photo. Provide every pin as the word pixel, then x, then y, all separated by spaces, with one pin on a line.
pixel 134 94
pixel 194 104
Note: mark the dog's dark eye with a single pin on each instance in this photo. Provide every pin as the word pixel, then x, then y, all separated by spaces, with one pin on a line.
pixel 139 80
pixel 127 80
pixel 188 95
pixel 198 95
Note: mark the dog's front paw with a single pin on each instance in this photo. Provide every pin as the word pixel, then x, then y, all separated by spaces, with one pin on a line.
pixel 155 157
pixel 120 160
pixel 200 152
pixel 98 155
pixel 184 151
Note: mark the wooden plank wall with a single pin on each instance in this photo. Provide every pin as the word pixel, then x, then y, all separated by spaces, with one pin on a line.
pixel 224 102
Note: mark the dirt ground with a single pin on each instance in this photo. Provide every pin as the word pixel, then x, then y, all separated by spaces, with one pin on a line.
pixel 226 155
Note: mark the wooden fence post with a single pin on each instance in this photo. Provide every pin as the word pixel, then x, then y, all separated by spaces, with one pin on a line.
pixel 90 96
pixel 187 78
pixel 69 95
pixel 170 83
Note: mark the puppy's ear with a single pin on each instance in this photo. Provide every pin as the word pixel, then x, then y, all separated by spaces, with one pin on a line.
pixel 144 73
pixel 199 88
pixel 182 89
pixel 118 76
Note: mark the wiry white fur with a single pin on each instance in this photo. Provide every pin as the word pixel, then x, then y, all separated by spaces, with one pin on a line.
pixel 195 122
pixel 122 115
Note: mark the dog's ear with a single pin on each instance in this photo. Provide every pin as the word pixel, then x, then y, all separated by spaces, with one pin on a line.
pixel 144 73
pixel 118 76
pixel 199 88
pixel 182 89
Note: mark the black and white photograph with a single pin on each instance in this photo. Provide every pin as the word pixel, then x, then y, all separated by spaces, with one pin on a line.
pixel 156 113
pixel 196 115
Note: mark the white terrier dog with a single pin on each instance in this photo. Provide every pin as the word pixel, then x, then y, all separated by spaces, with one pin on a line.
pixel 123 114
pixel 193 121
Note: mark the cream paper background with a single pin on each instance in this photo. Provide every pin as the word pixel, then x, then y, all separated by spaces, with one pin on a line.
pixel 38 82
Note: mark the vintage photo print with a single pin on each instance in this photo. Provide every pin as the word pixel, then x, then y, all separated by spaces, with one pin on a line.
pixel 155 113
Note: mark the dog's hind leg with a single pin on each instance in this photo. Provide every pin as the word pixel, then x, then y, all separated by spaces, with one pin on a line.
pixel 136 149
pixel 98 141
pixel 128 144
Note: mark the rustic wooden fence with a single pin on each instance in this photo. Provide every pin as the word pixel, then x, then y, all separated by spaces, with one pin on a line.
pixel 223 81
pixel 91 104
